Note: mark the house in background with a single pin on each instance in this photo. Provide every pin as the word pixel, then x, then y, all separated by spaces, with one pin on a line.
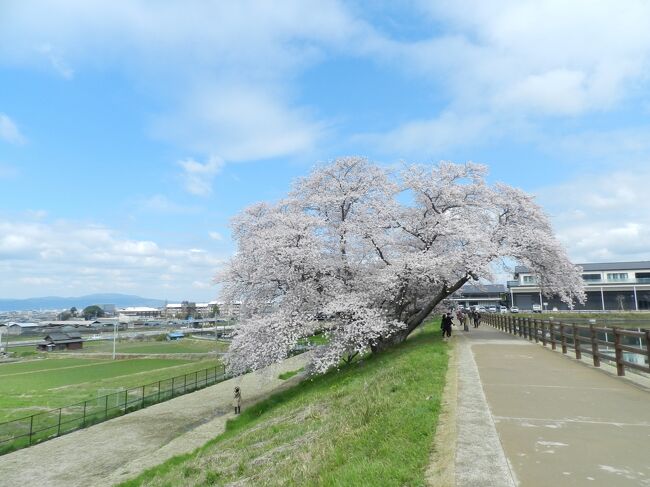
pixel 61 341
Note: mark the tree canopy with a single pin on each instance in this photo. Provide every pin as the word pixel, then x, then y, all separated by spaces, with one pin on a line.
pixel 93 311
pixel 376 251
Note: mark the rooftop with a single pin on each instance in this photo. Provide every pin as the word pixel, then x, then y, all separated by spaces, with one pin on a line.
pixel 602 266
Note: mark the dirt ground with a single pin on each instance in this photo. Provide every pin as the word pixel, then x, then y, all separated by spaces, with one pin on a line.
pixel 119 449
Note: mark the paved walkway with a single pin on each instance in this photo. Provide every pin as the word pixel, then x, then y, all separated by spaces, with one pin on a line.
pixel 532 417
pixel 119 449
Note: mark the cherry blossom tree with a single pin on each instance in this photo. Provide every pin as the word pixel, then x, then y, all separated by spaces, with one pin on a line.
pixel 373 252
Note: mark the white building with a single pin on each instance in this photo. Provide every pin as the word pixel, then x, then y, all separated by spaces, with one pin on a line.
pixel 611 286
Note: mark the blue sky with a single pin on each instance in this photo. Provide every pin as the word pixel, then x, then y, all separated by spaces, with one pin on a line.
pixel 131 132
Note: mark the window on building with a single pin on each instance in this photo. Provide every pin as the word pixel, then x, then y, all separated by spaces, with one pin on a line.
pixel 529 280
pixel 617 276
pixel 643 275
pixel 591 277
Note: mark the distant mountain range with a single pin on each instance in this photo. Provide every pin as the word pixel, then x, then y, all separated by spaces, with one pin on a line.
pixel 57 302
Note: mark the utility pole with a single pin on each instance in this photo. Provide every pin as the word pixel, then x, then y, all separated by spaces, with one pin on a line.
pixel 114 337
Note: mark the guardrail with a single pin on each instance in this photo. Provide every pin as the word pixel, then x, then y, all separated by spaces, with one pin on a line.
pixel 591 340
pixel 27 431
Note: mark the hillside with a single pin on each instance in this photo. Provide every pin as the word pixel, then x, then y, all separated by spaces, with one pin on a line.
pixel 371 423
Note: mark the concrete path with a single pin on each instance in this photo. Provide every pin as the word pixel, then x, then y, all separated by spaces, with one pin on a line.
pixel 119 449
pixel 532 417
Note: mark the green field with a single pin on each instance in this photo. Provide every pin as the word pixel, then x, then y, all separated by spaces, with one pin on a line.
pixel 37 385
pixel 186 345
pixel 370 423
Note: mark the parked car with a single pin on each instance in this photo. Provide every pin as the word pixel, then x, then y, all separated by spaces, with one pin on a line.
pixel 480 309
pixel 503 309
pixel 492 309
pixel 537 308
pixel 514 309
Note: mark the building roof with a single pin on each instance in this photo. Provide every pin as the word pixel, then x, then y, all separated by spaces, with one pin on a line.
pixel 23 325
pixel 482 289
pixel 68 323
pixel 136 309
pixel 58 337
pixel 602 266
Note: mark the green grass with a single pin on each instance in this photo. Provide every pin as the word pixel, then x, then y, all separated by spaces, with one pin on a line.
pixel 290 374
pixel 186 345
pixel 34 386
pixel 371 423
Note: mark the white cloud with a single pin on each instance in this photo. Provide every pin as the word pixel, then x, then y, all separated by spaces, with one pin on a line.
pixel 240 123
pixel 56 61
pixel 225 69
pixel 9 131
pixel 544 57
pixel 64 258
pixel 162 204
pixel 602 217
pixel 216 236
pixel 514 63
pixel 197 177
pixel 427 138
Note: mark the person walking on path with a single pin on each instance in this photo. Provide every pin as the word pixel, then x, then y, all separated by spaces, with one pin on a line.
pixel 237 400
pixel 465 321
pixel 477 319
pixel 445 325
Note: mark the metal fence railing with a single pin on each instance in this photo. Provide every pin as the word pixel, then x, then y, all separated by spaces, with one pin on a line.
pixel 39 427
pixel 626 349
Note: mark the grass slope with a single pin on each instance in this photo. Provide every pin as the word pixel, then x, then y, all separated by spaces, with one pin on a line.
pixel 371 423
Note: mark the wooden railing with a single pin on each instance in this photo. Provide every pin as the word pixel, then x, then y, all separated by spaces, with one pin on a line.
pixel 588 339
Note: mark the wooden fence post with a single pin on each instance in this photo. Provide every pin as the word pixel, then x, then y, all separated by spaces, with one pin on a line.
pixel 551 328
pixel 562 337
pixel 620 367
pixel 594 346
pixel 536 330
pixel 647 344
pixel 576 341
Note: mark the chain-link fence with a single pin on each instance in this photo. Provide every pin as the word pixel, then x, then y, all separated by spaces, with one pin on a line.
pixel 36 428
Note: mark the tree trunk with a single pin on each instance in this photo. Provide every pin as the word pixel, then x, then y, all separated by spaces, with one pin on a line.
pixel 416 320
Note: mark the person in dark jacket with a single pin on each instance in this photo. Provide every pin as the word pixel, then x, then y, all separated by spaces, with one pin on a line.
pixel 445 325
